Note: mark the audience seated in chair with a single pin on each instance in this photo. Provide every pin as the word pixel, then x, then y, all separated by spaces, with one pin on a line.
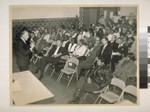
pixel 80 50
pixel 126 69
pixel 54 57
pixel 66 40
pixel 98 45
pixel 121 52
pixel 90 58
pixel 43 41
pixel 114 44
pixel 70 47
pixel 105 53
pixel 97 80
pixel 99 42
pixel 53 34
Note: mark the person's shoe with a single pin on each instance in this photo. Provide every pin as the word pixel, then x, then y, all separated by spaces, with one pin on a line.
pixel 36 71
pixel 41 77
pixel 71 102
pixel 77 100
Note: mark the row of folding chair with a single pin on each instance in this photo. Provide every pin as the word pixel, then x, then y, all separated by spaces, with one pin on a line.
pixel 115 93
pixel 70 68
pixel 129 90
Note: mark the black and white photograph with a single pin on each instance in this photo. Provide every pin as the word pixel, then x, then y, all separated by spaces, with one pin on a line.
pixel 74 55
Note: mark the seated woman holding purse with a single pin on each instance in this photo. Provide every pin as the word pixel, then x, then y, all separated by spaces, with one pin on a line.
pixel 97 80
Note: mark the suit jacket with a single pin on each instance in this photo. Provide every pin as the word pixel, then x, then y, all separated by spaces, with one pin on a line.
pixel 23 53
pixel 106 55
pixel 114 46
pixel 91 57
pixel 98 48
pixel 61 50
pixel 67 45
pixel 123 50
pixel 88 62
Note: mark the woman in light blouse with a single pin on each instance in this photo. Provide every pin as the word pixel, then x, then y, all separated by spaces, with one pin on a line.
pixel 80 49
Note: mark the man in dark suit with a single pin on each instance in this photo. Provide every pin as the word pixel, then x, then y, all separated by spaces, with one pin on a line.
pixel 105 54
pixel 66 40
pixel 122 51
pixel 23 51
pixel 114 44
pixel 54 57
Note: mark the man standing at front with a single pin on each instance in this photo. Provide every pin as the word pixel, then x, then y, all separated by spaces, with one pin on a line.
pixel 23 51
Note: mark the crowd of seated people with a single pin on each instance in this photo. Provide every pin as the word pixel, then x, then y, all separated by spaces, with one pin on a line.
pixel 100 45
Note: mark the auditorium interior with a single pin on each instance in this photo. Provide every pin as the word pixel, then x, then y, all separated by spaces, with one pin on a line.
pixel 89 24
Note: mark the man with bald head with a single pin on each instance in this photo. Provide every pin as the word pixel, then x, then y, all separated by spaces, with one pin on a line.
pixel 23 51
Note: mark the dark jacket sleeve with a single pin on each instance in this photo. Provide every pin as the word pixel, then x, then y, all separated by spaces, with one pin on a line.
pixel 102 76
pixel 63 51
pixel 22 49
pixel 91 57
pixel 108 77
pixel 106 55
pixel 123 50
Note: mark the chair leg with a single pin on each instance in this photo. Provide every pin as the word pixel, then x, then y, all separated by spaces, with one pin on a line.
pixel 35 60
pixel 96 99
pixel 70 80
pixel 100 100
pixel 31 60
pixel 59 78
pixel 52 73
pixel 77 77
pixel 85 95
pixel 46 68
pixel 87 73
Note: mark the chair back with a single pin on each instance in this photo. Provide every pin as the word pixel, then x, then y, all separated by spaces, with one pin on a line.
pixel 131 90
pixel 118 82
pixel 71 64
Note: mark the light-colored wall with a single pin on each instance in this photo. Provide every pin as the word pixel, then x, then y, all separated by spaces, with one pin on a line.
pixel 89 16
pixel 44 12
pixel 126 11
pixel 143 13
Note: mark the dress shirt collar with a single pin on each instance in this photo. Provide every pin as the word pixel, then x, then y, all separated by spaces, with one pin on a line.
pixel 121 44
pixel 56 51
pixel 104 48
pixel 91 49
